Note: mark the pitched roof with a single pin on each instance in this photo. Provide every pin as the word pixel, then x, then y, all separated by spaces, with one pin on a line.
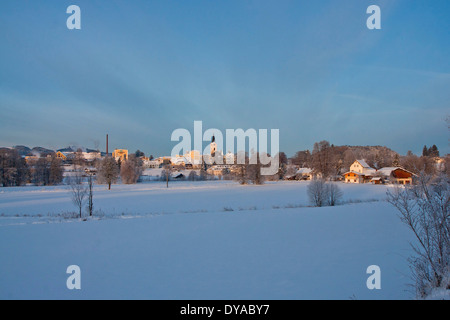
pixel 363 163
pixel 304 171
pixel 388 170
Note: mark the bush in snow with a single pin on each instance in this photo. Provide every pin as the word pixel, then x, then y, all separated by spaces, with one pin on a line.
pixel 333 194
pixel 322 193
pixel 424 208
pixel 317 192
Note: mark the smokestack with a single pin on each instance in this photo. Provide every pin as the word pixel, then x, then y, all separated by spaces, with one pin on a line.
pixel 107 151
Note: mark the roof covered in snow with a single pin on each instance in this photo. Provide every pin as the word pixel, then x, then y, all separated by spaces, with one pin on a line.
pixel 387 170
pixel 363 163
pixel 304 171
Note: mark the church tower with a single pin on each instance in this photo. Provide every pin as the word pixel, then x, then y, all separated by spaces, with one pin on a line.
pixel 213 146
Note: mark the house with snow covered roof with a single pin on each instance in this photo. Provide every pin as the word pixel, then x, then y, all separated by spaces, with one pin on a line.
pixel 360 172
pixel 304 174
pixel 396 175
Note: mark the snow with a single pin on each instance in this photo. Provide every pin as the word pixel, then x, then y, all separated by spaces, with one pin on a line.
pixel 386 171
pixel 439 294
pixel 304 171
pixel 202 240
pixel 364 164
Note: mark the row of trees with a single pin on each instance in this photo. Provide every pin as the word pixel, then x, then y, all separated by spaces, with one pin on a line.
pixel 109 170
pixel 431 151
pixel 15 171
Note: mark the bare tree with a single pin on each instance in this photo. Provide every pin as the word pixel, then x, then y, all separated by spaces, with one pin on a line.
pixel 317 192
pixel 166 173
pixel 39 172
pixel 333 194
pixel 56 171
pixel 79 160
pixel 321 158
pixel 424 208
pixel 131 170
pixel 302 159
pixel 253 170
pixel 192 175
pixel 242 164
pixel 78 190
pixel 108 171
pixel 90 193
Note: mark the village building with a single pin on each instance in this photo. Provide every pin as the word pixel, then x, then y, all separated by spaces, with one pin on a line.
pixel 178 160
pixel 219 170
pixel 91 155
pixel 396 175
pixel 229 158
pixel 120 154
pixel 360 172
pixel 193 157
pixel 304 174
pixel 61 156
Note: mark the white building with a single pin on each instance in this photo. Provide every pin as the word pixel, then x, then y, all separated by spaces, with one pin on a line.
pixel 360 172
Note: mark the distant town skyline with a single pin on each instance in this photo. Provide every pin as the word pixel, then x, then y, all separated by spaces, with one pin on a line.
pixel 139 70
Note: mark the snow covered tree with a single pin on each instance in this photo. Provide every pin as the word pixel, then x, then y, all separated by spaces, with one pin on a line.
pixel 396 162
pixel 317 192
pixel 333 194
pixel 424 208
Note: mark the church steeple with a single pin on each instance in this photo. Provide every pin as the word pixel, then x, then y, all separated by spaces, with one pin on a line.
pixel 213 146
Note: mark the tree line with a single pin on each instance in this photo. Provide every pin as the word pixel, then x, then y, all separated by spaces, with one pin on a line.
pixel 49 170
pixel 15 171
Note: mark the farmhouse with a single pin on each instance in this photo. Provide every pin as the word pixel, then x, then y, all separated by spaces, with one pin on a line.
pixel 304 174
pixel 396 175
pixel 360 172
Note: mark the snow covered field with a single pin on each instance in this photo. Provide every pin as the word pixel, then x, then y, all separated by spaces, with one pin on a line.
pixel 202 240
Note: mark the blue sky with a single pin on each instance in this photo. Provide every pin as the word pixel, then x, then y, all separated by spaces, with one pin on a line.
pixel 138 70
